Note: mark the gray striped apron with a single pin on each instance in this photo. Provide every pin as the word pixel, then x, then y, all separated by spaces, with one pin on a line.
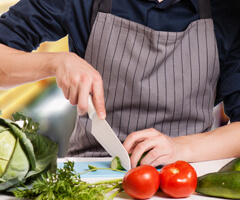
pixel 152 79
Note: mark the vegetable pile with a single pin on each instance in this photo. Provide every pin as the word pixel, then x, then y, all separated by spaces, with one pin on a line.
pixel 24 155
pixel 28 169
pixel 141 182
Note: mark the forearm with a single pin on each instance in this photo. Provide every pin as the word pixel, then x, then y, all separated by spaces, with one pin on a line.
pixel 220 143
pixel 19 67
pixel 74 75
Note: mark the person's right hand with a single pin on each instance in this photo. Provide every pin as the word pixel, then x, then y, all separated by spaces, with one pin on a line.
pixel 77 79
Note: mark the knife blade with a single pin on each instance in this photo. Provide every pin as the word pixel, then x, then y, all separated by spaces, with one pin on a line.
pixel 106 136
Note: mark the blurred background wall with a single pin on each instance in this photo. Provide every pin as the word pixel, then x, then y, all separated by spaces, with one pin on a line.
pixel 42 100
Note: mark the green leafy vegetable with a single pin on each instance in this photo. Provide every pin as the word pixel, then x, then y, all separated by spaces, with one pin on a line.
pixel 28 124
pixel 66 184
pixel 24 154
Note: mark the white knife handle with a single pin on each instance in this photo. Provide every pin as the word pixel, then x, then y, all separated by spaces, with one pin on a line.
pixel 91 109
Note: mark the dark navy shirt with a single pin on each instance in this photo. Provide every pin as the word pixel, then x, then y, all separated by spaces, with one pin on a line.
pixel 31 22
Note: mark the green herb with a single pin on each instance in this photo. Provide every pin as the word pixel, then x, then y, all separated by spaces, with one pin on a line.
pixel 66 184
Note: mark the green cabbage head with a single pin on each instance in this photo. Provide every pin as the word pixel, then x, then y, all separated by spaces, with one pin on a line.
pixel 24 154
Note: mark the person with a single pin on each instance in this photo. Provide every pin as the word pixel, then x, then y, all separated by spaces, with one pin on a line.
pixel 155 69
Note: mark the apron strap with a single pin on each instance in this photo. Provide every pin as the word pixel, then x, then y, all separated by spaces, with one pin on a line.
pixel 204 9
pixel 104 6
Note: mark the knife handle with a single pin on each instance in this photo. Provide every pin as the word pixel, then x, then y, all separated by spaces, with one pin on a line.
pixel 91 108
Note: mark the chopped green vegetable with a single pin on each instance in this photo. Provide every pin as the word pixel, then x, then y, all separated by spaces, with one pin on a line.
pixel 24 154
pixel 144 154
pixel 91 167
pixel 116 163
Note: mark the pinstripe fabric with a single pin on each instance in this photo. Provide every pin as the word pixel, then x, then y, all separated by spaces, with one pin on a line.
pixel 164 80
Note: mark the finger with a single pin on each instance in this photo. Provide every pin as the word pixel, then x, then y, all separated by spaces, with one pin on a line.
pixel 66 92
pixel 83 94
pixel 152 156
pixel 98 97
pixel 133 147
pixel 162 160
pixel 163 152
pixel 140 148
pixel 73 95
pixel 63 84
pixel 135 137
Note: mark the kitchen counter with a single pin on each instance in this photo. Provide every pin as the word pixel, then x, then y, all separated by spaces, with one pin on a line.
pixel 201 168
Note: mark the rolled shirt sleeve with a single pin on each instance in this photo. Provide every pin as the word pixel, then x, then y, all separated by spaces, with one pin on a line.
pixel 30 22
pixel 229 81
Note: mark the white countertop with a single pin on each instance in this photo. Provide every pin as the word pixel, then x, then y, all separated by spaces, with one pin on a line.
pixel 201 169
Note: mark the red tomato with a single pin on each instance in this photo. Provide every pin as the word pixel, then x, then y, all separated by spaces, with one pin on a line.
pixel 141 182
pixel 178 179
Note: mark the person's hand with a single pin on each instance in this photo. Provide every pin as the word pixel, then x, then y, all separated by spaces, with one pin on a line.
pixel 162 149
pixel 78 79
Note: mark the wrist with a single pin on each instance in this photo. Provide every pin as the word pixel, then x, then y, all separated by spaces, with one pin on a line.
pixel 183 148
pixel 189 147
pixel 51 61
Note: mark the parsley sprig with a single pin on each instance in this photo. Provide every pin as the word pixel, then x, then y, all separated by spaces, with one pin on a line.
pixel 66 184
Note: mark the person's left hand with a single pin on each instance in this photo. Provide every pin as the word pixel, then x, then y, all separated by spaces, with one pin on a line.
pixel 162 149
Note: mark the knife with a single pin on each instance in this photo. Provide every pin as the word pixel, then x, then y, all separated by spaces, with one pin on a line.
pixel 106 136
